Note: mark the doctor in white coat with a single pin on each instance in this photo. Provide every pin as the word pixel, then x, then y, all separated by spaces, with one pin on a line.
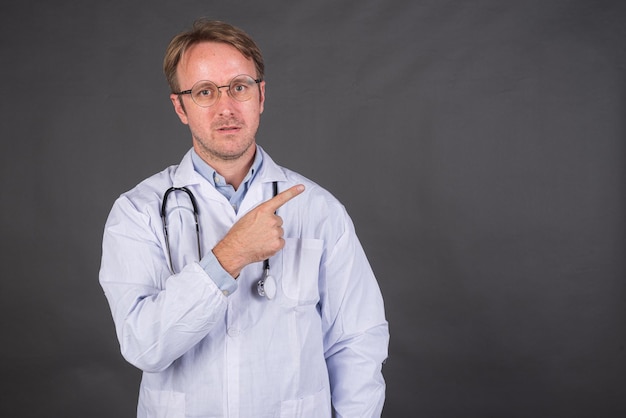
pixel 187 304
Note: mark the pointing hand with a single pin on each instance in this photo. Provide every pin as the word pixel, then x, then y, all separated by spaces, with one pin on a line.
pixel 258 235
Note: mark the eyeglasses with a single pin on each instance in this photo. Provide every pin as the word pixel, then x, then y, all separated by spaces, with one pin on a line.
pixel 206 93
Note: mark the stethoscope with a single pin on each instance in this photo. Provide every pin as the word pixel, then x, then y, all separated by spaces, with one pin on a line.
pixel 266 286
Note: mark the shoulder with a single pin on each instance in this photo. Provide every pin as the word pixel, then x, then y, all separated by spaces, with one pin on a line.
pixel 155 186
pixel 148 192
pixel 316 212
pixel 314 193
pixel 315 197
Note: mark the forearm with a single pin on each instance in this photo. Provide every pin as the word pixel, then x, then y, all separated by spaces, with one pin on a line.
pixel 355 371
pixel 155 328
pixel 356 331
pixel 158 316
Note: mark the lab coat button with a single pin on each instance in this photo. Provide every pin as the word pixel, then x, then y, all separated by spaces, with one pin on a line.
pixel 233 332
pixel 225 292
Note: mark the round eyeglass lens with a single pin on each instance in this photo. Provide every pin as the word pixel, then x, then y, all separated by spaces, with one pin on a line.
pixel 241 88
pixel 205 93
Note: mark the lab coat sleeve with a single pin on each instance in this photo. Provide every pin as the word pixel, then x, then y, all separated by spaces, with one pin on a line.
pixel 157 317
pixel 356 331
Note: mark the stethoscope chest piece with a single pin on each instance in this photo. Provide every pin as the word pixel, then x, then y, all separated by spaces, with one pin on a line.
pixel 267 286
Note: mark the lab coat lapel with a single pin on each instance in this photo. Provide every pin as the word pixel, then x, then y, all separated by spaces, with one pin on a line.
pixel 261 188
pixel 186 176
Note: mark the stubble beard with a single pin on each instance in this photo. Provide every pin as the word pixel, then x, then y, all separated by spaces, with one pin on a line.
pixel 214 154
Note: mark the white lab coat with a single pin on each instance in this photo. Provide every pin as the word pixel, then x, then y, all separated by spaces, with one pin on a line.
pixel 322 339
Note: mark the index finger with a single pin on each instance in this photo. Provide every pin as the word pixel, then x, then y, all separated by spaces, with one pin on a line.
pixel 283 197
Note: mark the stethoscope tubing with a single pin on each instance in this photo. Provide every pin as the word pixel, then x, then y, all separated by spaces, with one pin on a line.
pixel 194 204
pixel 265 286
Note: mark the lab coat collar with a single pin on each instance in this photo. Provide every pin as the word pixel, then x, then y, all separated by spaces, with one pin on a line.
pixel 186 175
pixel 270 171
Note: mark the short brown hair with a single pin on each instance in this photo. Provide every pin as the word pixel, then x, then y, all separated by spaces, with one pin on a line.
pixel 205 30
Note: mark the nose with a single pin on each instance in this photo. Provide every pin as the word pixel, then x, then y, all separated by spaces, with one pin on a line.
pixel 224 102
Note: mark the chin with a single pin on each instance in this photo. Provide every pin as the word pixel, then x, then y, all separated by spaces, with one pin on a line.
pixel 225 153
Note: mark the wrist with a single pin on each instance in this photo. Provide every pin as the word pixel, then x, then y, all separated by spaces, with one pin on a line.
pixel 227 259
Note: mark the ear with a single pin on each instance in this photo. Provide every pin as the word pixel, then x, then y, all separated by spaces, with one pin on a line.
pixel 262 96
pixel 179 108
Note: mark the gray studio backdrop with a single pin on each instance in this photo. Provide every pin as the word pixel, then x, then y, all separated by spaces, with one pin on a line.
pixel 478 145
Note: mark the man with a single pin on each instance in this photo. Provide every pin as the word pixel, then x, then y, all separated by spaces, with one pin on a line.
pixel 269 308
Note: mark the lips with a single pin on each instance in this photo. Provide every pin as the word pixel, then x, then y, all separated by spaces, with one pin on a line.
pixel 228 128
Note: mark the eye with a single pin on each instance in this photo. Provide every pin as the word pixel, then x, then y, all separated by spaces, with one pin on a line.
pixel 204 91
pixel 239 88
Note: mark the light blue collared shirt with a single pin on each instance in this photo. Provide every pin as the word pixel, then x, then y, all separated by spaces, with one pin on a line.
pixel 209 262
pixel 235 197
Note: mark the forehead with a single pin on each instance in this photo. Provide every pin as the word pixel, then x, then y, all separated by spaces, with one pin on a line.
pixel 215 61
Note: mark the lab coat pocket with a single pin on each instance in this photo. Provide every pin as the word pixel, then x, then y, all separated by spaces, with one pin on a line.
pixel 313 406
pixel 301 266
pixel 161 404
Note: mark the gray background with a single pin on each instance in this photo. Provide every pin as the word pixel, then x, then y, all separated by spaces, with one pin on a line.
pixel 478 145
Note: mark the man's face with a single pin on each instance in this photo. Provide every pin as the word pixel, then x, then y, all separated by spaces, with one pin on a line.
pixel 226 130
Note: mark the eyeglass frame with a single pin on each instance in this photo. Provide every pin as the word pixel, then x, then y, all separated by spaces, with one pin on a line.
pixel 219 91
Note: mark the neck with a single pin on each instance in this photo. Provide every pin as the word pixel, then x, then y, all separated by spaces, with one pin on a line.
pixel 234 174
pixel 233 170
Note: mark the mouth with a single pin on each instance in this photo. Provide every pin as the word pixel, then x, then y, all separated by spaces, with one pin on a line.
pixel 229 129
